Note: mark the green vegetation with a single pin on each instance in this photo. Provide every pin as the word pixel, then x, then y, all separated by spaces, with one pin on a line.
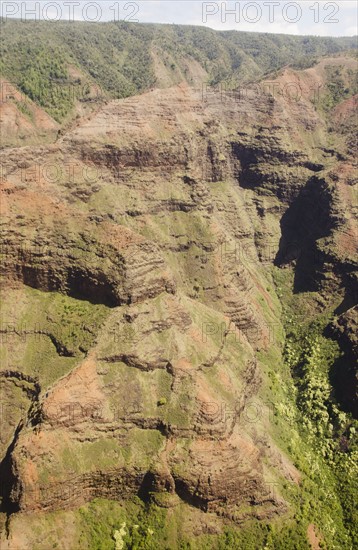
pixel 162 401
pixel 342 83
pixel 330 432
pixel 324 445
pixel 57 64
pixel 134 526
pixel 107 523
pixel 50 332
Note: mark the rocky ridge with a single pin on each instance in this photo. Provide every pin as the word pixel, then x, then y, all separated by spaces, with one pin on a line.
pixel 164 214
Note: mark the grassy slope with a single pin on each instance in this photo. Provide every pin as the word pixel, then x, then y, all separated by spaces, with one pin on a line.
pixel 36 56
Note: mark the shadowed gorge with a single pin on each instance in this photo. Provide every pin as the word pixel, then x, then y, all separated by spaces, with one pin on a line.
pixel 309 218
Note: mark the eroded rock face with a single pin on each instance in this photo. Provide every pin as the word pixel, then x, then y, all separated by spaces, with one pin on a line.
pixel 167 211
pixel 148 411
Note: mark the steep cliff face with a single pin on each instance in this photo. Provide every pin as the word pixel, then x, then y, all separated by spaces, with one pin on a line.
pixel 142 333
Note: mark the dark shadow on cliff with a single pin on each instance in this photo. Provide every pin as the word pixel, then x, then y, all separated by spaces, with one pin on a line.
pixel 350 299
pixel 343 377
pixel 304 222
pixel 344 372
pixel 8 480
pixel 80 284
pixel 185 494
pixel 147 487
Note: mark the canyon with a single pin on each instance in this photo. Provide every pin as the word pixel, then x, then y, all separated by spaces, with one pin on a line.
pixel 152 253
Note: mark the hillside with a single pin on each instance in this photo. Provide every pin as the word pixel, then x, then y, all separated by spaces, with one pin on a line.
pixel 68 69
pixel 179 291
